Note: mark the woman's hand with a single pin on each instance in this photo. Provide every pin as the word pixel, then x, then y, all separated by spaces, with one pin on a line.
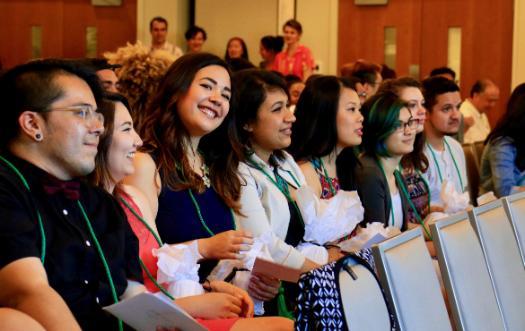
pixel 223 287
pixel 263 288
pixel 212 305
pixel 334 253
pixel 225 245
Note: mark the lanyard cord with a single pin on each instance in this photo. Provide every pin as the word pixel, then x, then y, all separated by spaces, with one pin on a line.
pixel 389 199
pixel 39 217
pixel 397 174
pixel 198 210
pixel 102 257
pixel 90 228
pixel 453 160
pixel 159 242
pixel 284 190
pixel 329 180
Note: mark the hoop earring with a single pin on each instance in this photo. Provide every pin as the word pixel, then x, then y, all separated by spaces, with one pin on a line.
pixel 38 137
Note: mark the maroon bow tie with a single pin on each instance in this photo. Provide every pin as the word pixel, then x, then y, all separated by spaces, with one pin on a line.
pixel 70 189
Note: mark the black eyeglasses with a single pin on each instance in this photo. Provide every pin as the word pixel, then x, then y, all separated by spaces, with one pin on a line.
pixel 411 124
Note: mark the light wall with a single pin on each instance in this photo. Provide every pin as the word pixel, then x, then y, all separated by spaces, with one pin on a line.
pixel 518 51
pixel 176 12
pixel 320 22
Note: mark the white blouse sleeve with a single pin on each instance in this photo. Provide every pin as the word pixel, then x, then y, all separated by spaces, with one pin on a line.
pixel 254 218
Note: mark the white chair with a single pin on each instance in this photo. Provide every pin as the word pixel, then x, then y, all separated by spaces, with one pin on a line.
pixel 407 273
pixel 515 207
pixel 504 261
pixel 363 301
pixel 465 275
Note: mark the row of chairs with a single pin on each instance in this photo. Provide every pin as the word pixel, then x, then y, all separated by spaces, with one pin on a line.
pixel 481 256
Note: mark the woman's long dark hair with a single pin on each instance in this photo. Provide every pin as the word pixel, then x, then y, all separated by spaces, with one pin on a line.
pixel 512 124
pixel 164 135
pixel 251 87
pixel 244 54
pixel 314 133
pixel 100 176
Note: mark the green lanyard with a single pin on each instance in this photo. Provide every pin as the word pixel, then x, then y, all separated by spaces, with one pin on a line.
pixel 159 242
pixel 281 184
pixel 199 212
pixel 453 160
pixel 329 180
pixel 389 200
pixel 399 178
pixel 201 218
pixel 90 229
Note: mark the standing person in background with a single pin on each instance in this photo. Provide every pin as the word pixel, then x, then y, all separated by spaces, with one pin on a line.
pixel 195 38
pixel 484 96
pixel 296 59
pixel 158 28
pixel 269 47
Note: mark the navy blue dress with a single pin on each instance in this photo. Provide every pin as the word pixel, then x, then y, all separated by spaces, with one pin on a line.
pixel 177 219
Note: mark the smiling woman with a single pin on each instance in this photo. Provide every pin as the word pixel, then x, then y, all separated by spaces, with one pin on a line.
pixel 263 129
pixel 389 133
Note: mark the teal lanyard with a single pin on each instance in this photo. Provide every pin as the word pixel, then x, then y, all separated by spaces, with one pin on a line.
pixel 199 212
pixel 453 160
pixel 201 218
pixel 90 229
pixel 399 178
pixel 389 198
pixel 328 179
pixel 159 242
pixel 281 184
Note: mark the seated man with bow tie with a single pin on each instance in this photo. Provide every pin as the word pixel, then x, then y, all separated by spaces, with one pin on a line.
pixel 66 248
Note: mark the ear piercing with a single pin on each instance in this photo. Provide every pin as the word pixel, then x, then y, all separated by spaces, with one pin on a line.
pixel 38 137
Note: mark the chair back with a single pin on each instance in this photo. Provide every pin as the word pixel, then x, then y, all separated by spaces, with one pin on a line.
pixel 503 259
pixel 407 273
pixel 515 208
pixel 364 304
pixel 465 275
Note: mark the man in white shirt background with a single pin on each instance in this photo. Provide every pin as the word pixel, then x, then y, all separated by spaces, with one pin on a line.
pixel 484 96
pixel 158 28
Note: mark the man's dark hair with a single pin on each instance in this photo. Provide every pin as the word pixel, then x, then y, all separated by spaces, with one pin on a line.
pixel 192 32
pixel 480 86
pixel 96 64
pixel 434 86
pixel 32 86
pixel 157 19
pixel 443 71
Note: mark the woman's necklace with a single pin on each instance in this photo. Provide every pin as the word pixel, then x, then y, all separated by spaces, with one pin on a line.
pixel 204 170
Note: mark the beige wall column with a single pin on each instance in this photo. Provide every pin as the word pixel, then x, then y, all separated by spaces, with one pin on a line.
pixel 175 11
pixel 320 28
pixel 518 48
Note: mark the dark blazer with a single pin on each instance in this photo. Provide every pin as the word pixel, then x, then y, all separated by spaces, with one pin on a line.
pixel 375 194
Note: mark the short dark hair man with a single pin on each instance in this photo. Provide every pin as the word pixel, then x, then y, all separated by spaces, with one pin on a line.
pixel 445 154
pixel 105 72
pixel 158 28
pixel 55 230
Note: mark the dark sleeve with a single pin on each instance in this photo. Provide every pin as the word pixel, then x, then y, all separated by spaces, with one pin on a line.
pixel 371 189
pixel 19 233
